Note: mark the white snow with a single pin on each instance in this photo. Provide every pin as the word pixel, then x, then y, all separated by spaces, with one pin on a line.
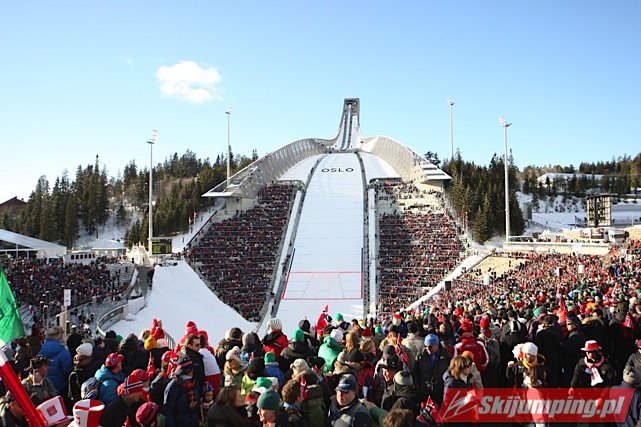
pixel 178 296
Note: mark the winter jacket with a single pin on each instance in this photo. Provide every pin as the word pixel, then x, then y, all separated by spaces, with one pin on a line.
pixel 225 416
pixel 428 375
pixel 470 343
pixel 246 385
pixel 571 352
pixel 548 340
pixel 176 406
pixel 60 366
pixel 415 344
pixel 273 370
pixel 329 351
pixel 275 341
pixel 198 364
pixel 84 368
pixel 395 392
pixel 109 382
pixel 582 379
pixel 354 414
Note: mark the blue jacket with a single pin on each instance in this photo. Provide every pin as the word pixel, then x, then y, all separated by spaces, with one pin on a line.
pixel 176 407
pixel 272 370
pixel 109 382
pixel 60 366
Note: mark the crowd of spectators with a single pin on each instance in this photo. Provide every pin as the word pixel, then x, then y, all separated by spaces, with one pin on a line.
pixel 418 243
pixel 552 321
pixel 39 281
pixel 238 256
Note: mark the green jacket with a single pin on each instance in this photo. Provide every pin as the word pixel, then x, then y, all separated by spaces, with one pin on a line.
pixel 329 350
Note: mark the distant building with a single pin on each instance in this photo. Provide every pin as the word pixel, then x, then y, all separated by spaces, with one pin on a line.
pixel 13 207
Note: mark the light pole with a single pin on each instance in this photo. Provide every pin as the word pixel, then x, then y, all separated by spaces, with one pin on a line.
pixel 505 125
pixel 228 112
pixel 450 102
pixel 151 142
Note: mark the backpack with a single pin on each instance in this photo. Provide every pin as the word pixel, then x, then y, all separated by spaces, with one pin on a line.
pixel 90 389
pixel 73 391
pixel 314 407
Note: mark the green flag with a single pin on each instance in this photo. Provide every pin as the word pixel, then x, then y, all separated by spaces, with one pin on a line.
pixel 11 326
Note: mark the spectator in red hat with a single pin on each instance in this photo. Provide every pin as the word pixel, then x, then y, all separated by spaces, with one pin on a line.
pixel 593 370
pixel 158 385
pixel 470 343
pixel 110 377
pixel 148 415
pixel 129 399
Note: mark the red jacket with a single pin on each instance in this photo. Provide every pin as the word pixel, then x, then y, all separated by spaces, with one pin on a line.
pixel 275 341
pixel 477 348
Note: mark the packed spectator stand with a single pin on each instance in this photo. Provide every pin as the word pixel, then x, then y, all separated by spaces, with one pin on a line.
pixel 419 243
pixel 237 256
pixel 39 281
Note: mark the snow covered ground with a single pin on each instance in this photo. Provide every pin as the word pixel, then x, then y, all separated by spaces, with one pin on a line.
pixel 178 296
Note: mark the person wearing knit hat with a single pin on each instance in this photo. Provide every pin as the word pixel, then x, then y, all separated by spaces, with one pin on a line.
pixel 528 371
pixel 182 396
pixel 310 335
pixel 272 369
pixel 129 400
pixel 429 368
pixel 110 376
pixel 269 408
pixel 233 370
pixel 299 366
pixel 148 415
pixel 275 340
pixel 337 334
pixel 329 351
pixel 296 349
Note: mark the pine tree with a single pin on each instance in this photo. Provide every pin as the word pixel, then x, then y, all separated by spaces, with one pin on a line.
pixel 71 221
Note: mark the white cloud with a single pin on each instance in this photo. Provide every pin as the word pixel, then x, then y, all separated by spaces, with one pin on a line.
pixel 188 81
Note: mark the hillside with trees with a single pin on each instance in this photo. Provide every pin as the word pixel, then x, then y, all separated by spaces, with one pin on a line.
pixel 60 213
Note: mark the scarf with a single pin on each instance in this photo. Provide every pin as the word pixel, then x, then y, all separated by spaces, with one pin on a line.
pixel 593 370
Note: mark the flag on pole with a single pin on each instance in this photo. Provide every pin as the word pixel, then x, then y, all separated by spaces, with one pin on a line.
pixel 11 326
pixel 322 322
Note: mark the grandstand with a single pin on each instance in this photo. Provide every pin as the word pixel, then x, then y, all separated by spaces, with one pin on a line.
pixel 317 242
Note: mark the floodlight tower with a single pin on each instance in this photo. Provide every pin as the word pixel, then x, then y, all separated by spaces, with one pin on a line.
pixel 450 102
pixel 505 125
pixel 151 142
pixel 228 112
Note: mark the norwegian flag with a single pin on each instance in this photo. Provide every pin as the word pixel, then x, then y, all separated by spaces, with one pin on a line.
pixel 402 356
pixel 322 322
pixel 430 413
pixel 151 367
pixel 628 322
pixel 304 390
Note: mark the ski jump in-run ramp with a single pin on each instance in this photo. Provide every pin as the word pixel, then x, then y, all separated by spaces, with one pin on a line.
pixel 327 258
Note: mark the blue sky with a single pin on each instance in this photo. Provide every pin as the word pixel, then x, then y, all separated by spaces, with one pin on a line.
pixel 86 78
